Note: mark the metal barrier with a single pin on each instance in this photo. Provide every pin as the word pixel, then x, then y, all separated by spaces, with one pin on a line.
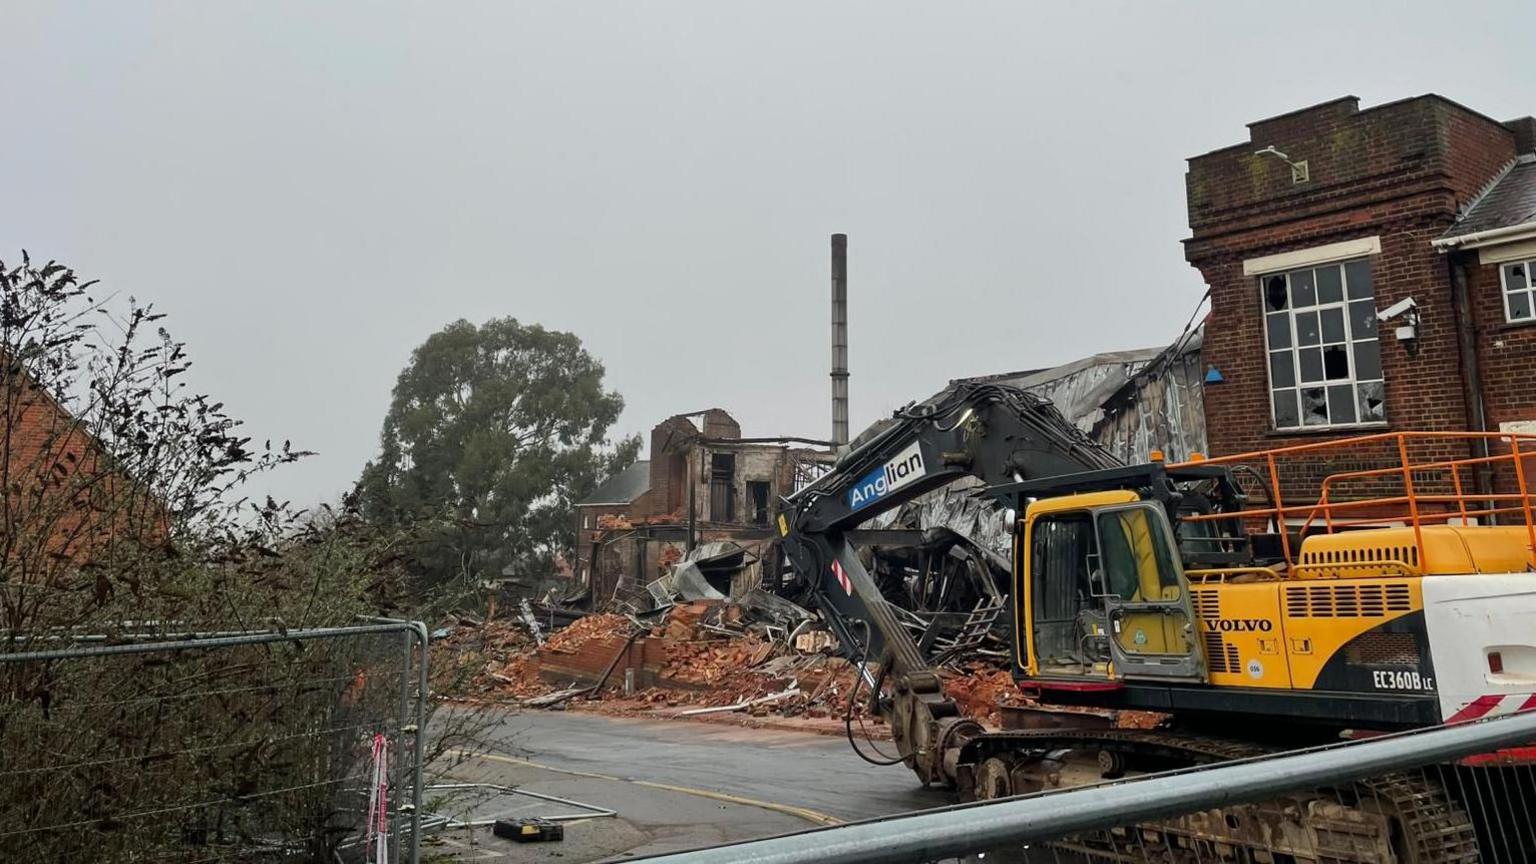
pixel 1432 778
pixel 233 746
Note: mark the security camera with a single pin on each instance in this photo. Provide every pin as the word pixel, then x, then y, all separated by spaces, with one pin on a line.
pixel 1407 304
pixel 1409 331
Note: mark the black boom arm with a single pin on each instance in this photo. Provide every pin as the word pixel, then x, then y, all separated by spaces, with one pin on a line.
pixel 992 432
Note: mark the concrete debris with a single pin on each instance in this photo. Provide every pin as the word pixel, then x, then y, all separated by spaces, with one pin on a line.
pixel 525 610
pixel 745 703
pixel 552 698
pixel 815 641
pixel 703 658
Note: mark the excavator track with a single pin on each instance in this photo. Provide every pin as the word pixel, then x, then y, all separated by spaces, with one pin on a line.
pixel 1400 818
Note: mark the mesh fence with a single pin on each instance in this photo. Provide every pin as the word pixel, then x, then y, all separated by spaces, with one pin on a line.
pixel 1461 813
pixel 224 747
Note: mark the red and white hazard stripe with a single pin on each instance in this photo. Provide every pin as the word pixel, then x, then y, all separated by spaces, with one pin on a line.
pixel 842 577
pixel 1494 706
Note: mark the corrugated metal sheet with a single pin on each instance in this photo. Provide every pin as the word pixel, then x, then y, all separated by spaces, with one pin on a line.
pixel 1079 388
pixel 1161 407
pixel 1132 402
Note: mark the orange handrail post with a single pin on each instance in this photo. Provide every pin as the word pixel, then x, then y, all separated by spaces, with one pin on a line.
pixel 1461 502
pixel 1413 502
pixel 1285 536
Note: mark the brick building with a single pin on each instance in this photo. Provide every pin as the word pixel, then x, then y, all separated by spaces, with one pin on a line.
pixel 703 478
pixel 59 481
pixel 1329 218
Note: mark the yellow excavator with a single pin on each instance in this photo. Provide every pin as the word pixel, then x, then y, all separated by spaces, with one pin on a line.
pixel 1392 598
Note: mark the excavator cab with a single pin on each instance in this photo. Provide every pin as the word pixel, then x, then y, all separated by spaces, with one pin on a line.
pixel 1102 593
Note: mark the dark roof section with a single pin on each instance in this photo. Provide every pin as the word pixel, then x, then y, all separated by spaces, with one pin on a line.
pixel 1511 200
pixel 623 487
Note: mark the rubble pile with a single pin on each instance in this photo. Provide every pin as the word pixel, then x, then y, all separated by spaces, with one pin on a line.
pixel 465 650
pixel 704 657
pixel 519 674
pixel 690 648
pixel 715 662
pixel 585 630
pixel 980 689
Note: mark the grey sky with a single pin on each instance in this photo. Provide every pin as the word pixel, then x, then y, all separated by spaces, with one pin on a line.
pixel 311 189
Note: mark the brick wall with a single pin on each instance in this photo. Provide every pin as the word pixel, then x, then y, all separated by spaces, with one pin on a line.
pixel 587 520
pixel 1506 352
pixel 674 442
pixel 56 480
pixel 1507 360
pixel 1398 172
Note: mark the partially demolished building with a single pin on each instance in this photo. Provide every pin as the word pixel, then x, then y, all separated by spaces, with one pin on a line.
pixel 704 483
pixel 1132 402
pixel 947 553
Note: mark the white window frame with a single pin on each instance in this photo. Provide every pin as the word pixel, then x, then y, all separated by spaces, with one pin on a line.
pixel 1506 293
pixel 1294 349
pixel 1301 259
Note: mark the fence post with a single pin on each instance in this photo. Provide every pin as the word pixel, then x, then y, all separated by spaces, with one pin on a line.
pixel 423 686
pixel 398 785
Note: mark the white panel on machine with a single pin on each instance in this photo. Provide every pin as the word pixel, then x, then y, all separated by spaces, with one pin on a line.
pixel 1482 637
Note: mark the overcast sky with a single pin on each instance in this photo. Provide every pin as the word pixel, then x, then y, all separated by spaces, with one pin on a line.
pixel 310 189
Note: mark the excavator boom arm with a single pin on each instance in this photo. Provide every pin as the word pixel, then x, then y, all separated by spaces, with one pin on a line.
pixel 991 432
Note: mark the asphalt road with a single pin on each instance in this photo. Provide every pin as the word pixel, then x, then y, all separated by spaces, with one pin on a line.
pixel 646 820
pixel 818 773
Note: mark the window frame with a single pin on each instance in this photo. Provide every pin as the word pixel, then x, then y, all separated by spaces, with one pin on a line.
pixel 1505 292
pixel 1353 381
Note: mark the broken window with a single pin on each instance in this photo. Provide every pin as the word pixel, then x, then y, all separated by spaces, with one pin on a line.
pixel 1324 354
pixel 1519 291
pixel 722 487
pixel 757 501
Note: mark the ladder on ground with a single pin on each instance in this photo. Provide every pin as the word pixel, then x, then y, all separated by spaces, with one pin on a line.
pixel 973 631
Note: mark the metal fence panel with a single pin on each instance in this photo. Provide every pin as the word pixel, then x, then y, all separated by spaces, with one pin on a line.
pixel 1436 777
pixel 244 746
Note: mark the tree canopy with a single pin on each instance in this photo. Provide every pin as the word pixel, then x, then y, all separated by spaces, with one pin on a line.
pixel 496 430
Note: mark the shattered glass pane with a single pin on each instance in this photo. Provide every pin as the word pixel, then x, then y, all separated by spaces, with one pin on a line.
pixel 1302 291
pixel 1373 402
pixel 1362 319
pixel 1306 328
pixel 1357 279
pixel 1279 326
pixel 1514 277
pixel 1520 306
pixel 1335 362
pixel 1330 285
pixel 1341 403
pixel 1314 407
pixel 1311 364
pixel 1285 409
pixel 1282 371
pixel 1367 360
pixel 1333 325
pixel 1274 292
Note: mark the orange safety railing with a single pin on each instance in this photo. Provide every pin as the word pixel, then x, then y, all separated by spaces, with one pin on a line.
pixel 1411 507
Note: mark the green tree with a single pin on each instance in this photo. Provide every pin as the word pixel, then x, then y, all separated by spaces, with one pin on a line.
pixel 500 428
